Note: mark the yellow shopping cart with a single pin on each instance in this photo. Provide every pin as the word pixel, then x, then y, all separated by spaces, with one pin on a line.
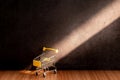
pixel 45 60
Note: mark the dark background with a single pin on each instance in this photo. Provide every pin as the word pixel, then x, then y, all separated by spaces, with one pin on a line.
pixel 28 25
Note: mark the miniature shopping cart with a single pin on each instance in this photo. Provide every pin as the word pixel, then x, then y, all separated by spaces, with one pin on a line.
pixel 45 61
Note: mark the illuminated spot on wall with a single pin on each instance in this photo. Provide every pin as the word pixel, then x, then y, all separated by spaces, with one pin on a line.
pixel 91 27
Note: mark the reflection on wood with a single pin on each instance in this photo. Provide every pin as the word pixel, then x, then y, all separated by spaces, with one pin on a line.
pixel 62 75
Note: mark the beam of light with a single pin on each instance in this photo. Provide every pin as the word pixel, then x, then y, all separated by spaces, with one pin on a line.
pixel 85 31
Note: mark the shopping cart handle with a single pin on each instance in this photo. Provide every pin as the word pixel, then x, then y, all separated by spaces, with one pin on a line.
pixel 51 49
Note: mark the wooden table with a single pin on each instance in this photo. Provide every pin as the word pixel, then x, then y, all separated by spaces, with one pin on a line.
pixel 62 75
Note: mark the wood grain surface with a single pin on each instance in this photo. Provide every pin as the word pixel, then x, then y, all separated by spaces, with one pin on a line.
pixel 62 75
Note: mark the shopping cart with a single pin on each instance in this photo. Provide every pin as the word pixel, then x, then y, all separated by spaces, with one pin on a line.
pixel 45 61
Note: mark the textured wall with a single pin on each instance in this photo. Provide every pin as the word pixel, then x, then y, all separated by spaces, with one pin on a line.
pixel 99 52
pixel 27 26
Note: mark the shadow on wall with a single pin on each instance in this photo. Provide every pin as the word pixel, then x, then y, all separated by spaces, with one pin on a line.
pixel 27 26
pixel 102 51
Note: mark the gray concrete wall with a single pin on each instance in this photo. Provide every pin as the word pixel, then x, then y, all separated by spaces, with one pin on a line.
pixel 27 26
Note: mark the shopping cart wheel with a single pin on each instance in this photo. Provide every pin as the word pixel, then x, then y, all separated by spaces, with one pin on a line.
pixel 55 71
pixel 36 73
pixel 44 75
